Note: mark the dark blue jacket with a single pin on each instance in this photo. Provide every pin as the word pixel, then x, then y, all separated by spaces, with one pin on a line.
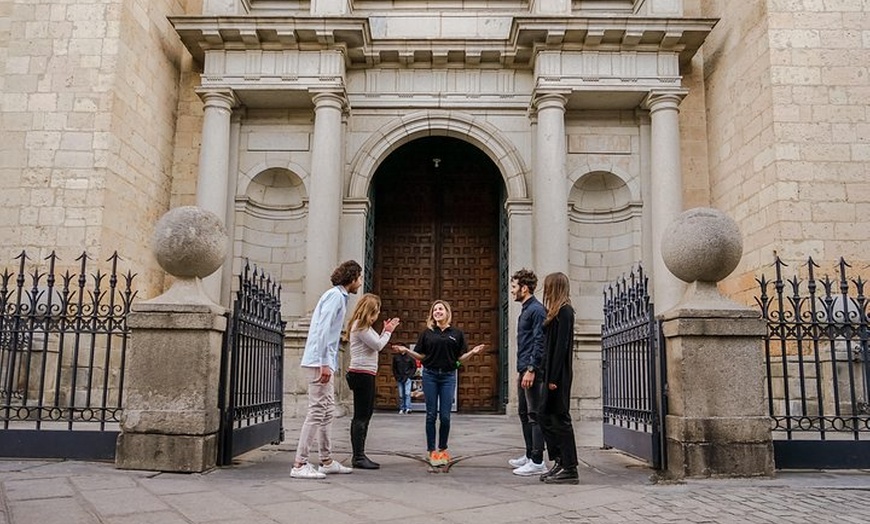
pixel 530 336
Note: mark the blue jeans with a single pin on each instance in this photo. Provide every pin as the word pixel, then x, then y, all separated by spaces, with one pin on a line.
pixel 438 388
pixel 405 395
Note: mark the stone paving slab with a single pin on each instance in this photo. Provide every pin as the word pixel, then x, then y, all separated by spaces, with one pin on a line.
pixel 479 489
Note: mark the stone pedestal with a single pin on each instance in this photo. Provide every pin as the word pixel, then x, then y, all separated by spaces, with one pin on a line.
pixel 717 422
pixel 171 416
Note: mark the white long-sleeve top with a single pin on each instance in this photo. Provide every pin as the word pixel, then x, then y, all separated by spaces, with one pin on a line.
pixel 364 348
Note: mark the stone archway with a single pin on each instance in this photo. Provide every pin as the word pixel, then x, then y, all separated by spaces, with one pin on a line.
pixel 438 214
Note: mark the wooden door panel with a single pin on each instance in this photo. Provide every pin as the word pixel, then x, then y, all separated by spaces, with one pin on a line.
pixel 436 236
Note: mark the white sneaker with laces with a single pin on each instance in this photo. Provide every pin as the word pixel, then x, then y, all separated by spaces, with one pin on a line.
pixel 306 471
pixel 519 461
pixel 334 467
pixel 531 469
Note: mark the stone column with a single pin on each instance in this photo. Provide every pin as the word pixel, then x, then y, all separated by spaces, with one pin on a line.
pixel 666 188
pixel 550 211
pixel 717 421
pixel 324 196
pixel 214 165
pixel 171 417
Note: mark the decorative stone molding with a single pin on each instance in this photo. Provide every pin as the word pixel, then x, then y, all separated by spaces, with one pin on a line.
pixel 517 48
pixel 480 133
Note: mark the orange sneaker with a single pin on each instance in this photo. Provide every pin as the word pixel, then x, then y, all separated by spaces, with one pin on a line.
pixel 443 457
pixel 434 457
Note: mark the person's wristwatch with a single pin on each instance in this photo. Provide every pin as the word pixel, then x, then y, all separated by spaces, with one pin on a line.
pixel 530 369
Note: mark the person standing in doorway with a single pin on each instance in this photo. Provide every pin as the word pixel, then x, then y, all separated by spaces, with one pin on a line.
pixel 319 363
pixel 530 377
pixel 365 345
pixel 555 411
pixel 442 349
pixel 404 368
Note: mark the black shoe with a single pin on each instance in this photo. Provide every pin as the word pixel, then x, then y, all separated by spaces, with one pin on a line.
pixel 555 469
pixel 364 463
pixel 565 476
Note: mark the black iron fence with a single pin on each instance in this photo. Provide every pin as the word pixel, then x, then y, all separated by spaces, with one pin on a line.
pixel 818 370
pixel 63 342
pixel 633 371
pixel 252 368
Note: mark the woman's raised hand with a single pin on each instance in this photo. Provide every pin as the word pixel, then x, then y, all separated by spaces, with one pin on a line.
pixel 391 324
pixel 477 349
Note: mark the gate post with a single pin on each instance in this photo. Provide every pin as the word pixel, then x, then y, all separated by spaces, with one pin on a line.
pixel 171 416
pixel 717 422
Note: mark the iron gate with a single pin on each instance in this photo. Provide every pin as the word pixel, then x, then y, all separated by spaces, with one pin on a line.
pixel 818 370
pixel 63 343
pixel 632 361
pixel 252 368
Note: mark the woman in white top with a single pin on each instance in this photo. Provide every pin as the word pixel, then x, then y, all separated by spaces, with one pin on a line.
pixel 365 344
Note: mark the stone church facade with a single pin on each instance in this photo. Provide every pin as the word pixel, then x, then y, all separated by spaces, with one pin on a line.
pixel 445 144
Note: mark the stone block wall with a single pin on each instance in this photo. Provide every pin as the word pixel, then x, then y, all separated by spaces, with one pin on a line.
pixel 787 90
pixel 87 121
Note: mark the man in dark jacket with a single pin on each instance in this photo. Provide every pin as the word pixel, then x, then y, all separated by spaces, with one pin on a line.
pixel 530 354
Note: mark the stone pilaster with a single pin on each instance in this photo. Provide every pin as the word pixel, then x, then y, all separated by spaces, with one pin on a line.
pixel 324 196
pixel 550 210
pixel 666 188
pixel 171 417
pixel 717 422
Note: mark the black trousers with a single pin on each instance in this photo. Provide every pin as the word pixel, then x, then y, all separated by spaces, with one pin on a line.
pixel 555 419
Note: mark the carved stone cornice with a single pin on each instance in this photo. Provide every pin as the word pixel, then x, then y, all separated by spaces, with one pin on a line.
pixel 528 35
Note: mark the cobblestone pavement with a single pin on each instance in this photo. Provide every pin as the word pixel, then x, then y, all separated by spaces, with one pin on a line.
pixel 479 489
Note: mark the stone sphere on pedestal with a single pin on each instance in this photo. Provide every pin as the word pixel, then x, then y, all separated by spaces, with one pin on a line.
pixel 189 242
pixel 702 245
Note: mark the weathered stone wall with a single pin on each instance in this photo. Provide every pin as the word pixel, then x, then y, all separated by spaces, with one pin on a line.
pixel 787 90
pixel 88 118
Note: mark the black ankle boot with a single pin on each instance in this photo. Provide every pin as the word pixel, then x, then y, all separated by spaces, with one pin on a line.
pixel 555 469
pixel 565 476
pixel 364 462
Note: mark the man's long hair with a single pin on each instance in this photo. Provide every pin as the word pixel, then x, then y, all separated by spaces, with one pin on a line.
pixel 346 273
pixel 557 293
pixel 365 313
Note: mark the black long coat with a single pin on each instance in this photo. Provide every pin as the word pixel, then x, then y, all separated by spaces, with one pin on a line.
pixel 558 361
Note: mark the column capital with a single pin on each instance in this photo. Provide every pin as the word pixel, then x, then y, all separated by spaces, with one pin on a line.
pixel 548 100
pixel 518 207
pixel 670 99
pixel 335 99
pixel 218 98
pixel 356 206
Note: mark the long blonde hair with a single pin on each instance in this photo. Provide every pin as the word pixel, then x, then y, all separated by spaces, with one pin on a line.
pixel 365 313
pixel 557 293
pixel 430 322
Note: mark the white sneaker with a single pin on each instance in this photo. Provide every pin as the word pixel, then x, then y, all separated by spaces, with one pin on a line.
pixel 306 471
pixel 401 412
pixel 530 469
pixel 334 467
pixel 519 461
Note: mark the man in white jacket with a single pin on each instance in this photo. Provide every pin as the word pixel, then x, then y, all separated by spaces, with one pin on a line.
pixel 319 363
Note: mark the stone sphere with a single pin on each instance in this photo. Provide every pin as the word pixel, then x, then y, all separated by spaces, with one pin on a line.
pixel 702 244
pixel 189 242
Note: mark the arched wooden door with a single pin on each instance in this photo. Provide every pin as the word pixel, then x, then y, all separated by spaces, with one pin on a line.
pixel 437 219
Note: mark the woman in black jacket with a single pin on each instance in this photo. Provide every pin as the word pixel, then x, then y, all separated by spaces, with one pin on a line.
pixel 555 412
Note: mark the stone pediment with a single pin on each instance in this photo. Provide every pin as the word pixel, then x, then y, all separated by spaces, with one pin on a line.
pixel 524 37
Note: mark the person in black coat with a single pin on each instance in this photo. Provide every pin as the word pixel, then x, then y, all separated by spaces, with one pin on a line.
pixel 555 415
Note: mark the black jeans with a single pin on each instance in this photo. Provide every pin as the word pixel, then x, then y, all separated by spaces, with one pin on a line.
pixel 529 405
pixel 363 387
